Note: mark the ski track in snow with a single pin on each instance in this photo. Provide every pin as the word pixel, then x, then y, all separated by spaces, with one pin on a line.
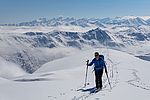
pixel 113 75
pixel 77 92
pixel 136 81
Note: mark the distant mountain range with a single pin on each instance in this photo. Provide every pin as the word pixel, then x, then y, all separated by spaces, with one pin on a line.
pixel 84 22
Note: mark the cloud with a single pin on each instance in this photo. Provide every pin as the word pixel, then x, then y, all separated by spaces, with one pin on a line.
pixel 9 70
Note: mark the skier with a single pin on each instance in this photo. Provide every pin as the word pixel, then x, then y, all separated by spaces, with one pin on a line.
pixel 99 65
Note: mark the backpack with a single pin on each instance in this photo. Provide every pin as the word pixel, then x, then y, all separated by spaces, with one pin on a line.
pixel 102 57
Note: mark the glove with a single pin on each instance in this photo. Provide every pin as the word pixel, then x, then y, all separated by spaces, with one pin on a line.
pixel 87 62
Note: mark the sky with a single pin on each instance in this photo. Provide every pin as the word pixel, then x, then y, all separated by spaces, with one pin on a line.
pixel 14 11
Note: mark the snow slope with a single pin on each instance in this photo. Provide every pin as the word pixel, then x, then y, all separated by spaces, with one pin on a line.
pixel 61 79
pixel 9 70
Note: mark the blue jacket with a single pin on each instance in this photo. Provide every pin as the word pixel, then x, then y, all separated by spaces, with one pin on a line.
pixel 98 64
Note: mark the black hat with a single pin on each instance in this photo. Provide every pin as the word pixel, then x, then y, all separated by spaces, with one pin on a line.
pixel 96 54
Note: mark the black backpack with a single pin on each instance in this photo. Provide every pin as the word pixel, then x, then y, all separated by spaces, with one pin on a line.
pixel 102 57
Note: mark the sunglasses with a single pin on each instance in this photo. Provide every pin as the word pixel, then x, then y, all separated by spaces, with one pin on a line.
pixel 96 55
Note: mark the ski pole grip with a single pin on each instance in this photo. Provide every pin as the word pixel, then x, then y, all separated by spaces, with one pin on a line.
pixel 87 61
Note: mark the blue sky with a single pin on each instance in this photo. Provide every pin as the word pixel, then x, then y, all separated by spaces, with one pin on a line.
pixel 12 11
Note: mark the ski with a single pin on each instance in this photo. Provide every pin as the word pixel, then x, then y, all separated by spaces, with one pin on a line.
pixel 95 91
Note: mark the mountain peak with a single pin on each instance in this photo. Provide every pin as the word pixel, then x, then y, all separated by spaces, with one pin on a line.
pixel 85 22
pixel 133 17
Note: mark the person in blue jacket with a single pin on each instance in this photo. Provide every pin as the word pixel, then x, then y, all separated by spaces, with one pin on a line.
pixel 99 65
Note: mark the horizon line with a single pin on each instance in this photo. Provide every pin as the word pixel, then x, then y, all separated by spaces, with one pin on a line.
pixel 145 17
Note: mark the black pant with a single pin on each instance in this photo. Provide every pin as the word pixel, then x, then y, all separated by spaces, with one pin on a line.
pixel 98 78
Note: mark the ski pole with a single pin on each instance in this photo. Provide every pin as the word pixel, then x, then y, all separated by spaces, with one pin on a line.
pixel 86 73
pixel 108 78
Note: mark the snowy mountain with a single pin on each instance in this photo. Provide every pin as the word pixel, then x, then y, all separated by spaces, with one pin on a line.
pixel 84 22
pixel 32 44
pixel 32 49
pixel 64 80
pixel 54 52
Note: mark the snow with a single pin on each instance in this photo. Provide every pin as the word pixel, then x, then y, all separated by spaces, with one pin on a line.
pixel 44 29
pixel 138 50
pixel 9 70
pixel 133 17
pixel 60 79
